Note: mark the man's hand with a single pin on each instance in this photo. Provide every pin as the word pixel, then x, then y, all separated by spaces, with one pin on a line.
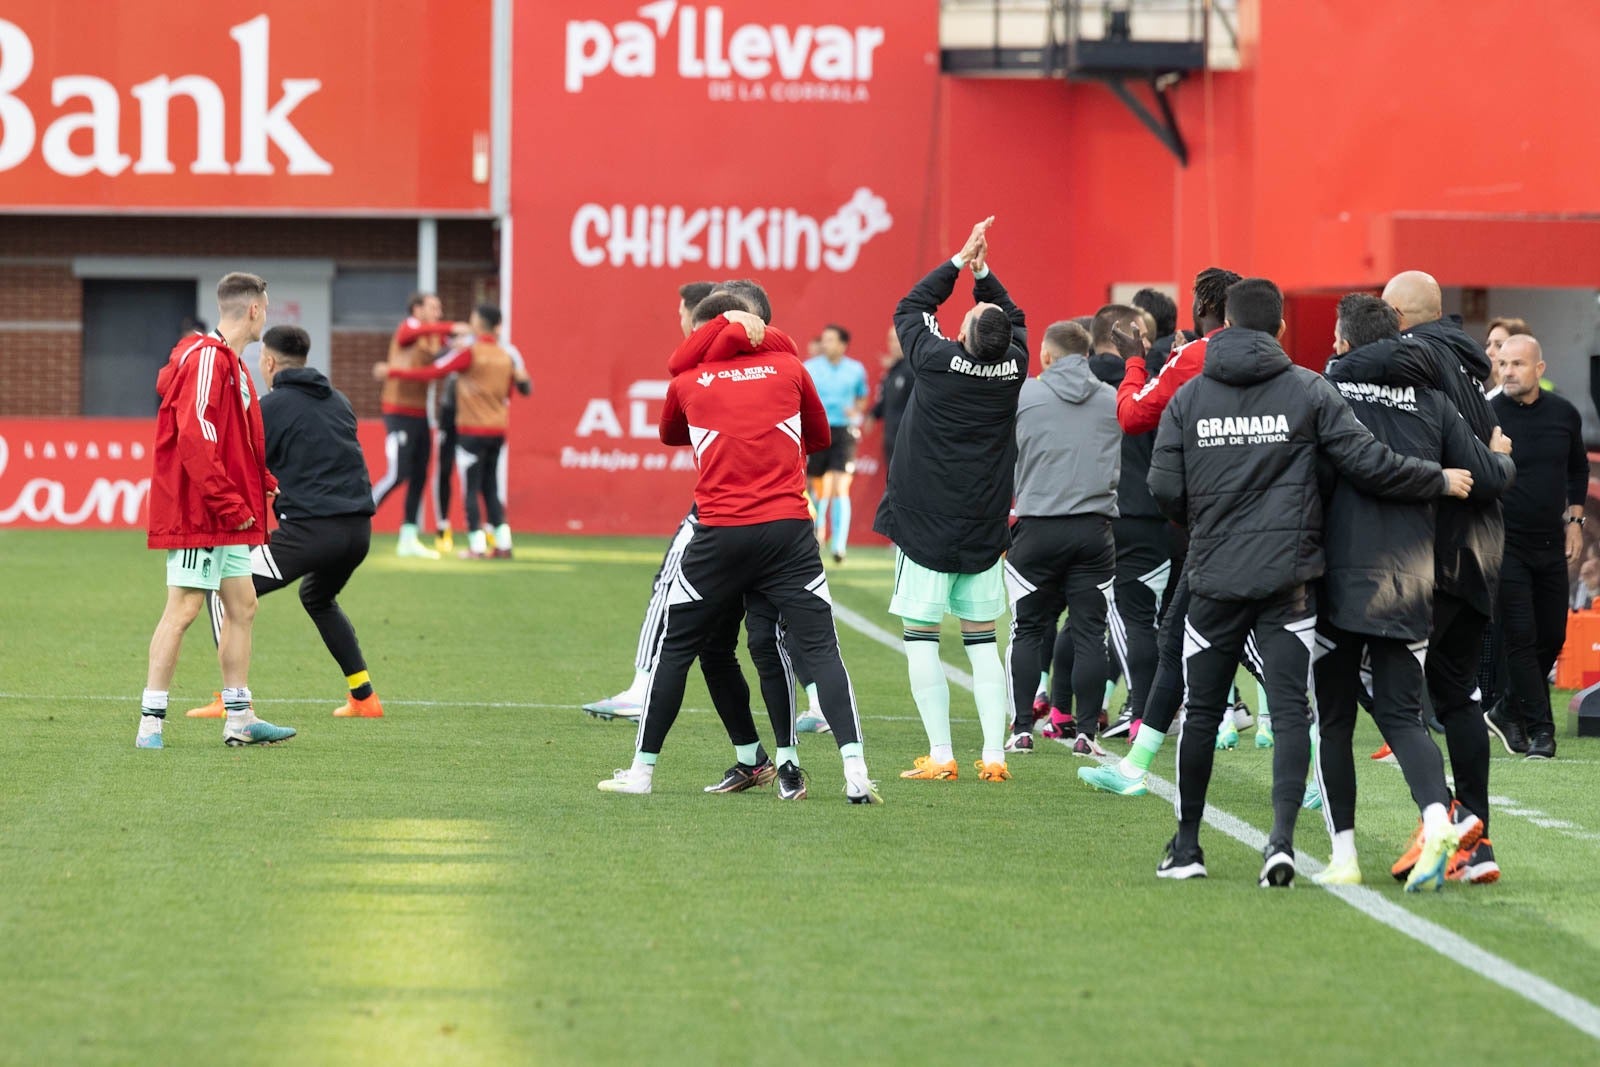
pixel 380 372
pixel 1129 344
pixel 1500 443
pixel 754 328
pixel 969 251
pixel 246 524
pixel 980 261
pixel 1574 542
pixel 1459 482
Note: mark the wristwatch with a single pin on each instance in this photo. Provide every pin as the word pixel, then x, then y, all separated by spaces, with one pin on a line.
pixel 1579 519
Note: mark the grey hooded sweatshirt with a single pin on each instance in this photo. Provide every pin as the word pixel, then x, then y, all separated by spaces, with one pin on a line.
pixel 1069 446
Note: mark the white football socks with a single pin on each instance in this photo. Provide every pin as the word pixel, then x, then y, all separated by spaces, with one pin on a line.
pixel 1344 848
pixel 930 691
pixel 990 692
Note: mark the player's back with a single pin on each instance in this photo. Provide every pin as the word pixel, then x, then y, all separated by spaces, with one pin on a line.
pixel 744 423
pixel 483 390
pixel 313 448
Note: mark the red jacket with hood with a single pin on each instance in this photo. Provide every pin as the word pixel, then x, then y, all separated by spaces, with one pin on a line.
pixel 752 414
pixel 210 471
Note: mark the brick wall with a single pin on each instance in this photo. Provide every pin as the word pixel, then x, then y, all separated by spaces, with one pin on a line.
pixel 141 235
pixel 39 292
pixel 41 370
pixel 354 353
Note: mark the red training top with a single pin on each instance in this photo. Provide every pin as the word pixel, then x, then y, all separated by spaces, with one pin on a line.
pixel 483 390
pixel 751 416
pixel 1141 400
pixel 414 343
pixel 210 472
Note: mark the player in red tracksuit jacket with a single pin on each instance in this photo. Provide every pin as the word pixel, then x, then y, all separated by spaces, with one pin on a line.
pixel 751 414
pixel 1140 402
pixel 208 505
pixel 779 664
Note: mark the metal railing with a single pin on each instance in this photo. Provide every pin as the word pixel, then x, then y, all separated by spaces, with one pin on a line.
pixel 1024 29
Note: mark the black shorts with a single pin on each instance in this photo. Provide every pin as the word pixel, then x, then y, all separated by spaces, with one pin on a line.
pixel 840 455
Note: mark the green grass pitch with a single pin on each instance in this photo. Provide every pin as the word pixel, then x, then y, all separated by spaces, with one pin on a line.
pixel 446 885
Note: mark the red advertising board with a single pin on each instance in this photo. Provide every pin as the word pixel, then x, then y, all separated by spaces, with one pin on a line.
pixel 669 142
pixel 360 106
pixel 94 474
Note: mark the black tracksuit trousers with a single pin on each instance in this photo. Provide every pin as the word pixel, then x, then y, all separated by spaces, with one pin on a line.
pixel 1059 563
pixel 721 565
pixel 777 667
pixel 478 457
pixel 1144 566
pixel 1454 645
pixel 719 660
pixel 1214 637
pixel 1166 689
pixel 407 447
pixel 321 554
pixel 1397 686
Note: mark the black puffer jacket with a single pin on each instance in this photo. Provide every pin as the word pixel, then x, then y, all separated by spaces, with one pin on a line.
pixel 1236 460
pixel 1380 552
pixel 1469 539
pixel 950 483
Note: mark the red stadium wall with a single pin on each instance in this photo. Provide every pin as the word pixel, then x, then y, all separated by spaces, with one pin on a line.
pixel 1345 150
pixel 1349 147
pixel 664 144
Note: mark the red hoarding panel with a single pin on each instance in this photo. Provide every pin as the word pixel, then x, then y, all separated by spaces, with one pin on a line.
pixel 287 105
pixel 95 473
pixel 672 142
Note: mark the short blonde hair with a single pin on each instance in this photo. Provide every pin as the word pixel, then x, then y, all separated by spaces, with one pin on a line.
pixel 237 290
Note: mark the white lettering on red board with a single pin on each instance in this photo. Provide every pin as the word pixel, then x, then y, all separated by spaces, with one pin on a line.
pixel 751 52
pixel 757 238
pixel 97 116
pixel 108 501
pixel 600 415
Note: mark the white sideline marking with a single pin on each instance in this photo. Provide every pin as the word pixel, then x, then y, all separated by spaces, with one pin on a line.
pixel 130 699
pixel 1571 1009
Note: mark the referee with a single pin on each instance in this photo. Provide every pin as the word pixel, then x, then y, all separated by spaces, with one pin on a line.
pixel 842 384
pixel 324 507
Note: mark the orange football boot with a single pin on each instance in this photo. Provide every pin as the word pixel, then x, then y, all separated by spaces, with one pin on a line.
pixel 213 710
pixel 370 708
pixel 927 770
